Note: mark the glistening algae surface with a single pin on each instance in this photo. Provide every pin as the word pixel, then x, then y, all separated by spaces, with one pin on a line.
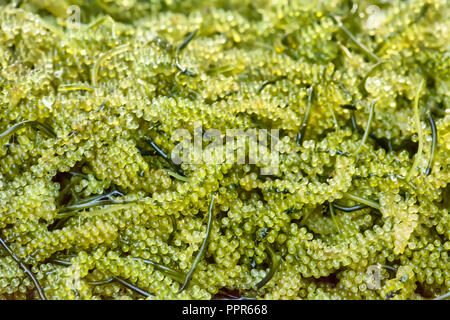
pixel 93 92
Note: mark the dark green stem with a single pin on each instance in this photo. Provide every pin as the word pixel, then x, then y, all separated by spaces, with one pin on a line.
pixel 371 71
pixel 133 287
pixel 35 124
pixel 202 248
pixel 176 275
pixel 174 228
pixel 152 143
pixel 267 82
pixel 103 282
pixel 369 122
pixel 353 38
pixel 25 269
pixel 334 217
pixel 433 143
pixel 369 203
pixel 275 262
pixel 177 53
pixel 443 297
pixel 349 209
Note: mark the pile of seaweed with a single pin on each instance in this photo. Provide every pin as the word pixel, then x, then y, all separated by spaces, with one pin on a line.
pixel 94 95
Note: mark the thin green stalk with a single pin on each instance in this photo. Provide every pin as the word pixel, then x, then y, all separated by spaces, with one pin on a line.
pixel 98 22
pixel 101 197
pixel 443 297
pixel 352 110
pixel 179 49
pixel 25 269
pixel 349 209
pixel 333 217
pixel 333 114
pixel 334 152
pixel 390 268
pixel 369 203
pixel 177 176
pixel 223 295
pixel 176 275
pixel 108 209
pixel 275 262
pixel 369 122
pixel 354 125
pixel 107 281
pixel 75 87
pixel 267 82
pixel 92 204
pixel 371 71
pixel 202 248
pixel 35 124
pixel 177 168
pixel 133 287
pixel 78 174
pixel 353 38
pixel 60 262
pixel 433 143
pixel 100 200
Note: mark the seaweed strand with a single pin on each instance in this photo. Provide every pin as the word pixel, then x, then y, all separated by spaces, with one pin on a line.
pixel 25 269
pixel 179 49
pixel 202 248
pixel 433 143
pixel 369 122
pixel 35 124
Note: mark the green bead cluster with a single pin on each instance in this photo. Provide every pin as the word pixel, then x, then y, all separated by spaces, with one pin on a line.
pixel 92 93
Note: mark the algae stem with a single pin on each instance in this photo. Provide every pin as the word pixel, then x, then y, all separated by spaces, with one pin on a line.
pixel 369 122
pixel 179 49
pixel 353 38
pixel 369 203
pixel 202 248
pixel 49 132
pixel 274 265
pixel 25 269
pixel 433 143
pixel 349 209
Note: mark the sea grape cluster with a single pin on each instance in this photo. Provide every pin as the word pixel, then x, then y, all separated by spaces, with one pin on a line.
pixel 92 206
